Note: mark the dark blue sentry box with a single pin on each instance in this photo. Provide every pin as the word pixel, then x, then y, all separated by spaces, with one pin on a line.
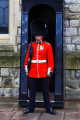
pixel 51 13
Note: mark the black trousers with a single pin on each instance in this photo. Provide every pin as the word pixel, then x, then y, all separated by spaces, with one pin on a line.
pixel 32 82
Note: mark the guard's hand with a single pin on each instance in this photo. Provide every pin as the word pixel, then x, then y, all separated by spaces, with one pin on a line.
pixel 49 72
pixel 26 69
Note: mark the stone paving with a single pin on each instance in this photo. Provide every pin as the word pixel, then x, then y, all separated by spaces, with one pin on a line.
pixel 14 112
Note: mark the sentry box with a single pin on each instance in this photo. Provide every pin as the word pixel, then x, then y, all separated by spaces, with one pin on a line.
pixel 51 13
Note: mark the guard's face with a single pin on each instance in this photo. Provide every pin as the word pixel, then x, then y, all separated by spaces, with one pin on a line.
pixel 38 38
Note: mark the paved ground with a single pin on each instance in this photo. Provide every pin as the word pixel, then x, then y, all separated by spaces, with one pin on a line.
pixel 11 111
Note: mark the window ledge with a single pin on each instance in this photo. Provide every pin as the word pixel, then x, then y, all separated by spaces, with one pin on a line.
pixel 4 37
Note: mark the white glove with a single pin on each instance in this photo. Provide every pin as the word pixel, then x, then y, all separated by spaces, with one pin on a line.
pixel 26 69
pixel 49 70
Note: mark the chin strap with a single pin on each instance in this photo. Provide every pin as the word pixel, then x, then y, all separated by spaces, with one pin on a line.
pixel 38 41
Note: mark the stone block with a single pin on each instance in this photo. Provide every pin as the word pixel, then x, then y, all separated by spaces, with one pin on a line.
pixel 66 8
pixel 75 84
pixel 6 48
pixel 69 47
pixel 15 82
pixel 72 1
pixel 14 72
pixel 10 61
pixel 6 82
pixel 72 75
pixel 67 74
pixel 4 72
pixel 70 31
pixel 74 23
pixel 1 91
pixel 72 93
pixel 72 61
pixel 79 32
pixel 78 48
pixel 0 81
pixel 15 92
pixel 71 16
pixel 77 74
pixel 10 77
pixel 3 53
pixel 74 8
pixel 76 39
pixel 7 92
pixel 66 23
pixel 67 40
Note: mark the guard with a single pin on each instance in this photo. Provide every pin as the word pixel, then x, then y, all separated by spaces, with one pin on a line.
pixel 39 63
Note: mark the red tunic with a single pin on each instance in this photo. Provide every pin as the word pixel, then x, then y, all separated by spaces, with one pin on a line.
pixel 42 59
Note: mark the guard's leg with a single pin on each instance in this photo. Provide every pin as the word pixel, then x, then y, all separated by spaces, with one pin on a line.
pixel 48 106
pixel 32 91
pixel 45 86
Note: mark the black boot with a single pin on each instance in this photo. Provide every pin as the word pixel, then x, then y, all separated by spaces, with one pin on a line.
pixel 51 111
pixel 28 110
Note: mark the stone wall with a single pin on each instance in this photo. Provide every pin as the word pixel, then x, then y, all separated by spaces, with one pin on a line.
pixel 72 48
pixel 10 53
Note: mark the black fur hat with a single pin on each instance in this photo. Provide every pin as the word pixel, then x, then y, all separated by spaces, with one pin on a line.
pixel 38 27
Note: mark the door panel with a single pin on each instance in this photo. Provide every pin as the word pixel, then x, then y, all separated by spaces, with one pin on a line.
pixel 24 42
pixel 59 59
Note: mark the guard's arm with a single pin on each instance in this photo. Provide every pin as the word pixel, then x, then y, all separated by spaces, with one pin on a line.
pixel 26 60
pixel 50 59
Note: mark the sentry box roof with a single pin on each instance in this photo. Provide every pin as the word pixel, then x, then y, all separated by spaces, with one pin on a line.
pixel 56 4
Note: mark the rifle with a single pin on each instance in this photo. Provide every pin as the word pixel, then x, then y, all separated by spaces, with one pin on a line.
pixel 30 55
